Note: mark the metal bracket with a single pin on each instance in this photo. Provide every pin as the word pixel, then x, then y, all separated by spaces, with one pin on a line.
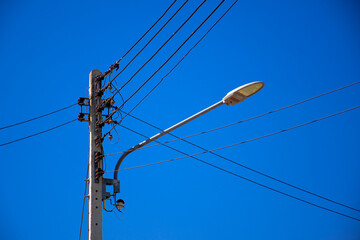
pixel 113 182
pixel 83 102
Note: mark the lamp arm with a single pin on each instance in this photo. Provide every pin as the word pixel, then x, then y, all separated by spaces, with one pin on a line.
pixel 170 129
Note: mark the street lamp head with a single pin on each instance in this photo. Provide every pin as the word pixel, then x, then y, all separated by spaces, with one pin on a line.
pixel 241 93
pixel 120 204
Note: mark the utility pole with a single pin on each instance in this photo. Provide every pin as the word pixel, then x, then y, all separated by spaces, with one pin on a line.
pixel 96 181
pixel 95 156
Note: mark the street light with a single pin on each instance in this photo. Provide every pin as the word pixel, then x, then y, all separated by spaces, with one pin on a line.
pixel 233 97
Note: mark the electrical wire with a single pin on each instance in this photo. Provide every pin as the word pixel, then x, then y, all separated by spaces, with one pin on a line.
pixel 105 162
pixel 50 129
pixel 32 119
pixel 108 210
pixel 118 137
pixel 82 214
pixel 192 14
pixel 120 219
pixel 252 181
pixel 252 118
pixel 149 43
pixel 217 7
pixel 148 30
pixel 251 169
pixel 116 64
pixel 179 61
pixel 239 143
pixel 115 89
pixel 83 206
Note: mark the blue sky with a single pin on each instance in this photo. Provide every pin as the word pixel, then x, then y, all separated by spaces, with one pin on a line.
pixel 298 48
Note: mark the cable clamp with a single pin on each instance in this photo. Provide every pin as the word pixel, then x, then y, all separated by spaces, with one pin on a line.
pixel 99 93
pixel 108 103
pixel 114 66
pixel 99 78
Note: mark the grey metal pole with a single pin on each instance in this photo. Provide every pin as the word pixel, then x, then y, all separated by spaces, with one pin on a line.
pixel 170 129
pixel 95 164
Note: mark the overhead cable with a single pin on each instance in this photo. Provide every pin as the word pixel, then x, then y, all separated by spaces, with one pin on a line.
pixel 239 143
pixel 116 64
pixel 217 7
pixel 251 169
pixel 148 30
pixel 252 181
pixel 192 14
pixel 207 18
pixel 83 206
pixel 248 119
pixel 177 11
pixel 179 61
pixel 33 135
pixel 41 116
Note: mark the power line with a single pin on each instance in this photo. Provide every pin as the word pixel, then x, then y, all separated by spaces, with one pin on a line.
pixel 192 14
pixel 148 30
pixel 278 191
pixel 217 7
pixel 252 181
pixel 33 135
pixel 116 64
pixel 252 118
pixel 41 116
pixel 235 144
pixel 179 61
pixel 287 129
pixel 83 206
pixel 251 169
pixel 148 44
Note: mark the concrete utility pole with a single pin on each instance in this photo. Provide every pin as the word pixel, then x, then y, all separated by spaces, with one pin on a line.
pixel 95 158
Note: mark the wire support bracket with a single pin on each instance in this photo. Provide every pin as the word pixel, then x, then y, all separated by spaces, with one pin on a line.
pixel 110 182
pixel 83 102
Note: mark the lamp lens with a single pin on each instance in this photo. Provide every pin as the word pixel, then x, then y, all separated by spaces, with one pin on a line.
pixel 250 90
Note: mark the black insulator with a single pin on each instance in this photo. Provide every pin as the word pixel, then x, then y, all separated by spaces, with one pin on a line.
pixel 81 117
pixel 98 156
pixel 81 101
pixel 98 140
pixel 100 124
pixel 99 109
pixel 99 93
pixel 107 103
pixel 99 78
pixel 99 172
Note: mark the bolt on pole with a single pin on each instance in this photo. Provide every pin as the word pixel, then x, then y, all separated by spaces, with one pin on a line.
pixel 95 162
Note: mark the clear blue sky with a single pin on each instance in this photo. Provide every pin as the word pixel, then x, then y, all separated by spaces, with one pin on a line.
pixel 298 48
